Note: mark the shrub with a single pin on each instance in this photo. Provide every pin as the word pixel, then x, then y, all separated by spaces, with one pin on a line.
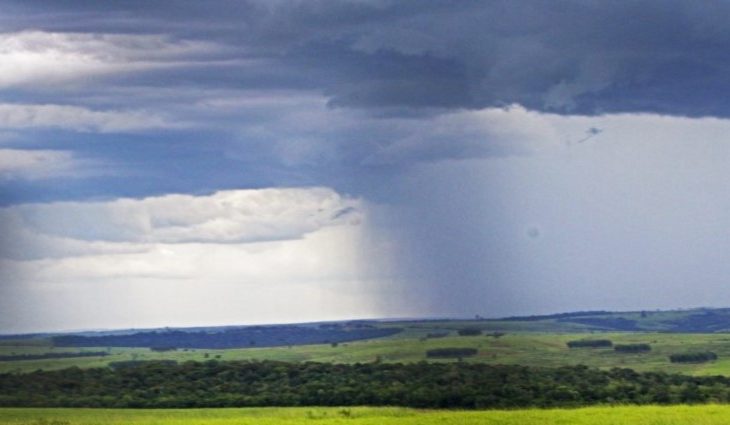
pixel 451 352
pixel 698 357
pixel 590 343
pixel 163 348
pixel 470 332
pixel 632 348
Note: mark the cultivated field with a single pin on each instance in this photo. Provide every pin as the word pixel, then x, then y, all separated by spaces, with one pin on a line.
pixel 648 415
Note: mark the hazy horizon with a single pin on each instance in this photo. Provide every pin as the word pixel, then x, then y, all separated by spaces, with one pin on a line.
pixel 172 164
pixel 343 320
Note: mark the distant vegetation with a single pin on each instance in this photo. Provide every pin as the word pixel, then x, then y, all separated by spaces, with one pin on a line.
pixel 469 332
pixel 529 349
pixel 127 364
pixel 253 336
pixel 538 347
pixel 605 323
pixel 570 315
pixel 716 320
pixel 163 348
pixel 423 385
pixel 685 321
pixel 632 348
pixel 589 343
pixel 16 357
pixel 451 352
pixel 693 357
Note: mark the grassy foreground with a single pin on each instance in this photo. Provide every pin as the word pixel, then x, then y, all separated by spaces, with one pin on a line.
pixel 647 415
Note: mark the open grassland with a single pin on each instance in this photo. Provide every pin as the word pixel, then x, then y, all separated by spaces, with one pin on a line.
pixel 524 348
pixel 647 415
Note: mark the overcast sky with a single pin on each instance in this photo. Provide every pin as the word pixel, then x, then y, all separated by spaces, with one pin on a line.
pixel 232 162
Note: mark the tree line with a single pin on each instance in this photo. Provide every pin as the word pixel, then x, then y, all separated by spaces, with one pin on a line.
pixel 251 336
pixel 422 385
pixel 43 356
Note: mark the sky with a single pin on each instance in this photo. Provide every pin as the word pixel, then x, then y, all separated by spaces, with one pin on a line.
pixel 193 163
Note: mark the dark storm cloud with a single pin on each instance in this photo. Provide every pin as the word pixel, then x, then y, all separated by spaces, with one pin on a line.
pixel 407 60
pixel 390 65
pixel 562 56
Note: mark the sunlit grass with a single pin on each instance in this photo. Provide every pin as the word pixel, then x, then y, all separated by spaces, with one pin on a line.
pixel 646 415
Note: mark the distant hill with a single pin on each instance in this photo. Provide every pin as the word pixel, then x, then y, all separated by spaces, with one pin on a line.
pixel 227 337
pixel 701 320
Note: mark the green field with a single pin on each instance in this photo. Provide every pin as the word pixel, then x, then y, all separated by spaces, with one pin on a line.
pixel 526 348
pixel 648 415
pixel 536 341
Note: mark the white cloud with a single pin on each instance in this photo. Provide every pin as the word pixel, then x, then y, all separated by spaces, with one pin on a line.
pixel 226 217
pixel 37 164
pixel 319 255
pixel 19 116
pixel 116 263
pixel 317 277
pixel 38 57
pixel 23 243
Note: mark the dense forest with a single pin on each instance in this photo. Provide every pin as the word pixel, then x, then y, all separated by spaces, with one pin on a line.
pixel 432 385
pixel 253 336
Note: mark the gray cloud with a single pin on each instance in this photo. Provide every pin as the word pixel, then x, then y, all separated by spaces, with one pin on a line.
pixel 567 57
pixel 18 116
